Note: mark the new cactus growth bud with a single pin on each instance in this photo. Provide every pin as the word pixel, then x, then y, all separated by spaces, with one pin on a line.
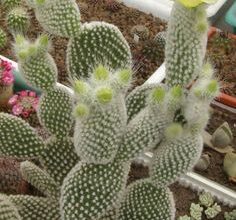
pixel 124 76
pixel 158 95
pixel 104 95
pixel 174 131
pixel 18 21
pixel 3 38
pixel 80 87
pixel 81 110
pixel 101 73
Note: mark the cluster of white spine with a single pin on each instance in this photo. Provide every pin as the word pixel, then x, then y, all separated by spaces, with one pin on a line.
pixel 18 138
pixel 18 20
pixel 59 17
pixel 98 43
pixel 185 45
pixel 90 190
pixel 39 179
pixel 55 111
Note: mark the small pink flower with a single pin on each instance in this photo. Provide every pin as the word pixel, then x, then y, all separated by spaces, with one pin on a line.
pixel 17 109
pixel 23 93
pixel 13 100
pixel 32 94
pixel 7 78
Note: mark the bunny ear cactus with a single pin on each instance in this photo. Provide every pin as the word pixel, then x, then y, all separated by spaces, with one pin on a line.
pixel 3 38
pixel 98 43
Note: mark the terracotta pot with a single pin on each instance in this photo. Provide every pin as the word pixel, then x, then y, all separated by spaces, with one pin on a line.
pixel 223 98
pixel 5 94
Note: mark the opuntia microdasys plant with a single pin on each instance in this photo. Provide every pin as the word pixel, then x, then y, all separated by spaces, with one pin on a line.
pixel 84 177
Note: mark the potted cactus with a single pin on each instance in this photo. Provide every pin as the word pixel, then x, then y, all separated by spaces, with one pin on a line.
pixel 84 174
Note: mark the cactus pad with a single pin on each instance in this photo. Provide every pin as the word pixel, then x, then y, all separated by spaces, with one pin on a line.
pixel 98 43
pixel 36 208
pixel 55 111
pixel 18 138
pixel 58 158
pixel 185 45
pixel 18 20
pixel 92 190
pixel 59 17
pixel 3 38
pixel 145 201
pixel 174 158
pixel 39 179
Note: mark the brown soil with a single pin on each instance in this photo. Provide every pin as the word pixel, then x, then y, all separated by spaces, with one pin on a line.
pixel 221 51
pixel 183 196
pixel 215 170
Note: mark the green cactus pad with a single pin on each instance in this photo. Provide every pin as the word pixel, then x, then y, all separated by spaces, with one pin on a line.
pixel 136 100
pixel 9 4
pixel 39 70
pixel 18 20
pixel 58 17
pixel 143 132
pixel 39 179
pixel 185 45
pixel 145 201
pixel 3 38
pixel 7 210
pixel 98 136
pixel 17 138
pixel 174 158
pixel 98 43
pixel 55 111
pixel 59 157
pixel 36 208
pixel 92 190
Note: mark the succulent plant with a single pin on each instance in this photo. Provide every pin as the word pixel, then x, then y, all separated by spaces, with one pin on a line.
pixel 230 165
pixel 206 199
pixel 3 38
pixel 84 176
pixel 18 20
pixel 230 215
pixel 222 136
pixel 203 162
pixel 196 211
pixel 213 211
